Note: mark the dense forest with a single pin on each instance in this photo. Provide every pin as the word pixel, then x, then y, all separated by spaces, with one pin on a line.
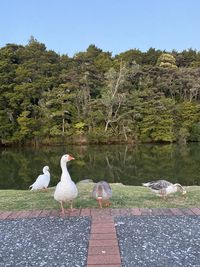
pixel 94 97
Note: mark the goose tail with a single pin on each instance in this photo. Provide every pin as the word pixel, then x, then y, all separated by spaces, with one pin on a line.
pixel 145 184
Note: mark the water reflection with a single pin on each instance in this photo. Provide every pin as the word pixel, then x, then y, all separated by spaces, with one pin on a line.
pixel 129 165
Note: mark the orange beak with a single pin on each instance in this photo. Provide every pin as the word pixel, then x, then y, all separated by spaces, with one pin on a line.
pixel 70 157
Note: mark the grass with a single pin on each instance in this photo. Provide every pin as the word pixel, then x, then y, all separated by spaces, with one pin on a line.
pixel 123 197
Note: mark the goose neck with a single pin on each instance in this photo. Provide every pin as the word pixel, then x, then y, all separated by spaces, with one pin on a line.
pixel 46 172
pixel 65 174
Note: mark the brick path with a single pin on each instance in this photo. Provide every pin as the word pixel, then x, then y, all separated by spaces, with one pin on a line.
pixel 103 244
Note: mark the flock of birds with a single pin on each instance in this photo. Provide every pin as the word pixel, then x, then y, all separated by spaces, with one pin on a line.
pixel 66 190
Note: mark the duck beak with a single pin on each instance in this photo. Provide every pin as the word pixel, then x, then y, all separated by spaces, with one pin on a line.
pixel 71 158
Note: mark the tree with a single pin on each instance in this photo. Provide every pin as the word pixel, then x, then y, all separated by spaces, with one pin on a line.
pixel 157 118
pixel 166 61
pixel 131 57
pixel 186 116
pixel 112 96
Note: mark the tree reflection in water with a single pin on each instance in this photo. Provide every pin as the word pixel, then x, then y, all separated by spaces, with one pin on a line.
pixel 130 165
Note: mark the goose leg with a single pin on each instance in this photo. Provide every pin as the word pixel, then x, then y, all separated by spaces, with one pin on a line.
pixel 107 203
pixel 100 203
pixel 71 205
pixel 62 208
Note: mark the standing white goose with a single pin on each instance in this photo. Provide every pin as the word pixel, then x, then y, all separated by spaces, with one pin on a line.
pixel 66 189
pixel 42 180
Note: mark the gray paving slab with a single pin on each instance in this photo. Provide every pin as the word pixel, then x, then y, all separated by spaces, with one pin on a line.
pixel 159 241
pixel 44 242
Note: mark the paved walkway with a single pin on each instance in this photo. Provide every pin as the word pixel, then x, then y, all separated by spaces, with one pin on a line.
pixel 103 249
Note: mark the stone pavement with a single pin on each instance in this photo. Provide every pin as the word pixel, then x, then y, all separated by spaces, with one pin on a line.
pixel 106 247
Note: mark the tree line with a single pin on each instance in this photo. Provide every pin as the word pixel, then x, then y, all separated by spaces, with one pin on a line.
pixel 94 97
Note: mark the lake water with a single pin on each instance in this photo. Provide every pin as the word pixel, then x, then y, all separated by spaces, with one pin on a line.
pixel 130 165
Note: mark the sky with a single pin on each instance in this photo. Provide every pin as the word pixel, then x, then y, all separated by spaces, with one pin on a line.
pixel 70 26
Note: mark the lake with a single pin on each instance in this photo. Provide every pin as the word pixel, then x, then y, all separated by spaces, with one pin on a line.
pixel 130 165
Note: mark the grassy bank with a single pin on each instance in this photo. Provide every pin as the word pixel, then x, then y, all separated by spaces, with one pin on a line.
pixel 123 197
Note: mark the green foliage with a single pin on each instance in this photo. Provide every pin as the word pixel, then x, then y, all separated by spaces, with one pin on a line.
pixel 157 122
pixel 166 61
pixel 79 126
pixel 195 132
pixel 133 96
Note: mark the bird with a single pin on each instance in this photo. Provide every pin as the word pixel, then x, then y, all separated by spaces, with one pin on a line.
pixel 102 192
pixel 42 180
pixel 66 190
pixel 163 188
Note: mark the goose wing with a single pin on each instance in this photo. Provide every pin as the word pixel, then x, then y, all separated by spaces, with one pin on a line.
pixel 158 185
pixel 41 181
pixel 107 188
pixel 102 189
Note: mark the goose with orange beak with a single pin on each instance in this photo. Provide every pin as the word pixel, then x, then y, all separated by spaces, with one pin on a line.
pixel 66 190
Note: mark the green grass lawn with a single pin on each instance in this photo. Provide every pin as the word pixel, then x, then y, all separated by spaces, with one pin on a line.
pixel 123 197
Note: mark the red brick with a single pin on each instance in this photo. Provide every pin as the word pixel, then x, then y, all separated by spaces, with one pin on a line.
pixel 54 213
pixel 102 250
pixel 135 211
pixel 102 224
pixel 104 265
pixel 103 236
pixel 115 212
pixel 145 211
pixel 75 212
pixel 5 215
pixel 45 213
pixel 35 214
pixel 101 220
pixel 167 212
pixel 67 213
pixel 102 230
pixel 195 210
pixel 24 214
pixel 187 211
pixel 85 212
pixel 100 212
pixel 125 211
pixel 157 212
pixel 96 243
pixel 176 211
pixel 14 215
pixel 104 259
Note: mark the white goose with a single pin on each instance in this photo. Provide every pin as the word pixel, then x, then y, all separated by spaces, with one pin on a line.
pixel 42 180
pixel 163 188
pixel 66 189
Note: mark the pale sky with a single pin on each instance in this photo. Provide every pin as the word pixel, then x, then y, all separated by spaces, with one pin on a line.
pixel 70 26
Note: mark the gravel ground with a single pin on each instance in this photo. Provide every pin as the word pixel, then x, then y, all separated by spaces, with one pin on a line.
pixel 44 242
pixel 159 241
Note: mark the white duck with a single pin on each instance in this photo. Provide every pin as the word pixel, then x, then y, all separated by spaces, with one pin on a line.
pixel 42 180
pixel 102 193
pixel 66 189
pixel 163 188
